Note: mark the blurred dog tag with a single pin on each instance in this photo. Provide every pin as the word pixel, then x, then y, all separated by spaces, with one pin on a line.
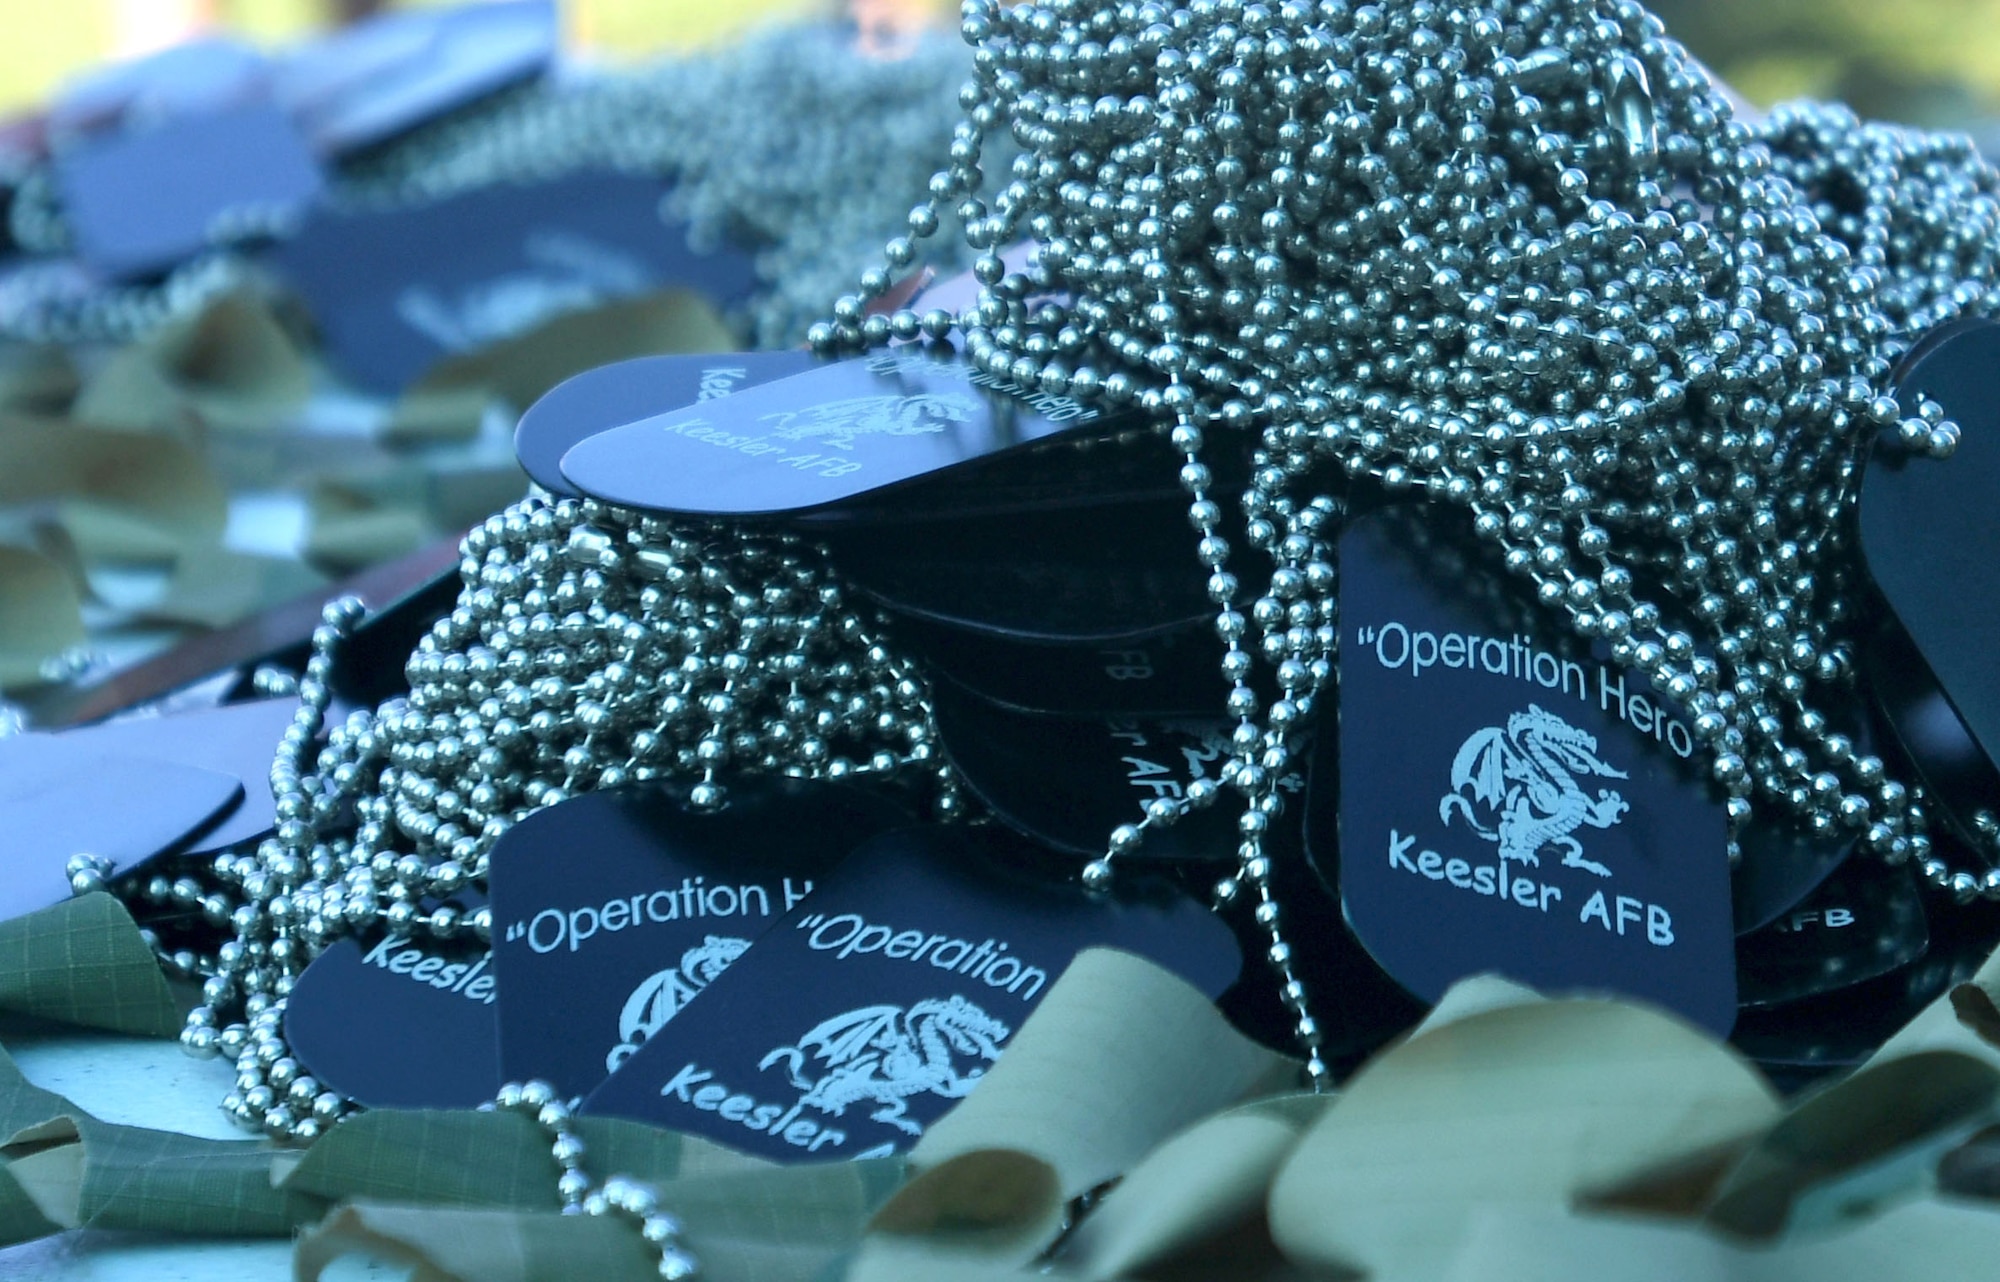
pixel 396 290
pixel 141 201
pixel 381 77
pixel 239 740
pixel 123 809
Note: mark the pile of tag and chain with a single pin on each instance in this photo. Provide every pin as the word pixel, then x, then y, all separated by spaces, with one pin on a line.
pixel 870 968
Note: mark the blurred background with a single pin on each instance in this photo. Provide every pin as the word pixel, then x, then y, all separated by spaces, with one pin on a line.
pixel 47 44
pixel 278 278
pixel 1927 62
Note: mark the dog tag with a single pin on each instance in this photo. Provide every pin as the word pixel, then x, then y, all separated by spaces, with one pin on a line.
pixel 1100 574
pixel 239 740
pixel 882 999
pixel 1064 471
pixel 379 78
pixel 1171 675
pixel 398 1021
pixel 140 201
pixel 615 394
pixel 1356 1005
pixel 1865 921
pixel 396 290
pixel 1509 804
pixel 57 803
pixel 1930 536
pixel 1069 781
pixel 1801 1040
pixel 614 909
pixel 1782 864
pixel 831 434
pixel 193 77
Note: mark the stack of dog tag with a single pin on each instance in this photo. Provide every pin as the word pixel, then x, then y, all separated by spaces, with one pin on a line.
pixel 806 973
pixel 810 974
pixel 803 973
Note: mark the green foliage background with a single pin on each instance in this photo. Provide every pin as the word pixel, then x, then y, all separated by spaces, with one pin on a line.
pixel 1934 63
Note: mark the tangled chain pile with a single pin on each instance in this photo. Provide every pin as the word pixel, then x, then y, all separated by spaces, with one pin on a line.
pixel 589 647
pixel 1522 263
pixel 1519 260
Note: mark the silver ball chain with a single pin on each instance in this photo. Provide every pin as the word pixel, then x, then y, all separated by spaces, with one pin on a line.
pixel 590 647
pixel 581 1195
pixel 1518 260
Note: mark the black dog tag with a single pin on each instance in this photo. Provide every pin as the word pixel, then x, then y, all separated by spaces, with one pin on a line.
pixel 1782 864
pixel 819 438
pixel 1171 675
pixel 1129 465
pixel 239 740
pixel 1100 574
pixel 882 1000
pixel 383 76
pixel 58 802
pixel 1843 1027
pixel 614 909
pixel 624 391
pixel 140 200
pixel 1509 804
pixel 1930 535
pixel 1865 921
pixel 394 291
pixel 1069 781
pixel 397 1021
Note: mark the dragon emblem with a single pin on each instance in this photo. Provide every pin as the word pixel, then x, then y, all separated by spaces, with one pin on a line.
pixel 1525 774
pixel 660 996
pixel 839 422
pixel 885 1055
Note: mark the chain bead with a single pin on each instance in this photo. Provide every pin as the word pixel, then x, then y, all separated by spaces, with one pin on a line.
pixel 617 1195
pixel 568 675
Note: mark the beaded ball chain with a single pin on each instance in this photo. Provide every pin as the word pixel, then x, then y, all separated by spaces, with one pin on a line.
pixel 590 647
pixel 1523 263
pixel 1519 260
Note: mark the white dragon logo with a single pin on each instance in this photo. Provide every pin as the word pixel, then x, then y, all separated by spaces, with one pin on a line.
pixel 884 1055
pixel 660 996
pixel 1525 773
pixel 839 422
